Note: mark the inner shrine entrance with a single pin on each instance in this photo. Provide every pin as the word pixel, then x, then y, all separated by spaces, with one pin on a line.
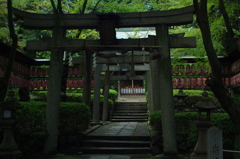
pixel 159 74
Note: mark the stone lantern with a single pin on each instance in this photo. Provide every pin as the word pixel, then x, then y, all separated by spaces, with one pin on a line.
pixel 8 147
pixel 180 105
pixel 202 123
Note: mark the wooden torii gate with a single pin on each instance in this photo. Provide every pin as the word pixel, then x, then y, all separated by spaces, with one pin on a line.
pixel 160 77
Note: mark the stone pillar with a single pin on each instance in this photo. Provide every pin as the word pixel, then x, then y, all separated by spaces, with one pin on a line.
pixel 119 89
pixel 155 80
pixel 96 101
pixel 54 91
pixel 166 92
pixel 106 96
pixel 149 90
pixel 87 78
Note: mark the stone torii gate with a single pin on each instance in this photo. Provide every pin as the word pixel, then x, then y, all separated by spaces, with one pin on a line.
pixel 160 77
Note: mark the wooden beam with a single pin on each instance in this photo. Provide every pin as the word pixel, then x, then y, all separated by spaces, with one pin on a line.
pixel 144 67
pixel 123 59
pixel 78 44
pixel 88 21
pixel 137 77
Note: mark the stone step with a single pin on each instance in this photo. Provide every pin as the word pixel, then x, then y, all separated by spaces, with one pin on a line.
pixel 132 114
pixel 119 138
pixel 115 150
pixel 129 117
pixel 116 143
pixel 131 103
pixel 129 120
pixel 130 108
pixel 130 111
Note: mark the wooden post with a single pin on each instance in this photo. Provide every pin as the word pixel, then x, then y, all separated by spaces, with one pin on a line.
pixel 166 94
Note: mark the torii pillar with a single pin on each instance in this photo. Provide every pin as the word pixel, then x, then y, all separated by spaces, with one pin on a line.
pixel 166 94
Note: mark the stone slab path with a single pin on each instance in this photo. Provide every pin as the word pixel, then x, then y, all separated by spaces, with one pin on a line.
pixel 123 129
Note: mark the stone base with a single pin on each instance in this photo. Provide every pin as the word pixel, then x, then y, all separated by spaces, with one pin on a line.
pixel 95 123
pixel 198 156
pixel 11 154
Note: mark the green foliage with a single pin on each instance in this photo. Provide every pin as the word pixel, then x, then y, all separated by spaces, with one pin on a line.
pixel 30 131
pixel 185 127
pixel 73 118
pixel 113 94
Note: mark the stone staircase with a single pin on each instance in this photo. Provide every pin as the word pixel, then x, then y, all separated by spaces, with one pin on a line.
pixel 130 112
pixel 116 145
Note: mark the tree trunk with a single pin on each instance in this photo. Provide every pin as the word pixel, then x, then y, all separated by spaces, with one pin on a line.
pixel 4 82
pixel 215 81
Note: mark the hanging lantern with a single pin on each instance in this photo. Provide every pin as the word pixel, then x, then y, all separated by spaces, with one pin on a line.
pixel 188 69
pixel 187 82
pixel 181 69
pixel 38 84
pixel 176 82
pixel 39 72
pixel 204 82
pixel 75 71
pixel 32 85
pixel 193 71
pixel 81 83
pixel 70 71
pixel 44 84
pixel 176 70
pixel 233 81
pixel 181 82
pixel 238 79
pixel 199 82
pixel 70 84
pixel 203 70
pixel 75 84
pixel 92 84
pixel 193 82
pixel 44 72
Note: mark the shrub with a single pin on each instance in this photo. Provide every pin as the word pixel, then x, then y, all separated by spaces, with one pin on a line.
pixel 113 94
pixel 187 132
pixel 30 131
pixel 73 118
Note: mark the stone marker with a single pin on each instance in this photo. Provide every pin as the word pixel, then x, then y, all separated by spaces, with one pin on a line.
pixel 214 142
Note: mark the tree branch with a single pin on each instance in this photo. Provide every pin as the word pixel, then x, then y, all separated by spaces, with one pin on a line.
pixel 54 7
pixel 226 18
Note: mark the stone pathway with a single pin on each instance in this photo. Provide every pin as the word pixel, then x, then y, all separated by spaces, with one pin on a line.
pixel 119 129
pixel 123 129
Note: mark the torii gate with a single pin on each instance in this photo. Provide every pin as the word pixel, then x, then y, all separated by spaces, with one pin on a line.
pixel 160 92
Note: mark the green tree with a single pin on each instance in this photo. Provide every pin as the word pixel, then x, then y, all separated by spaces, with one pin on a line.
pixel 215 82
pixel 4 82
